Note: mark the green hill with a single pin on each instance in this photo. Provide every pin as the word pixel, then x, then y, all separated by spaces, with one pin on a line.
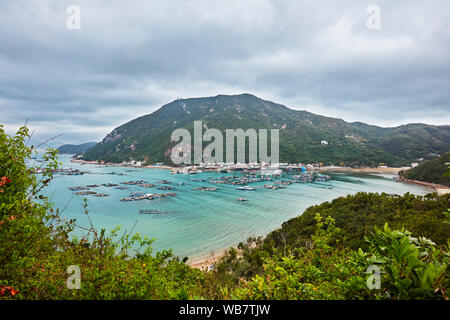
pixel 75 149
pixel 432 171
pixel 148 138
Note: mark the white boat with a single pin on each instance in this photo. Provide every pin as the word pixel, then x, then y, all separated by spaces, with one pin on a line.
pixel 246 188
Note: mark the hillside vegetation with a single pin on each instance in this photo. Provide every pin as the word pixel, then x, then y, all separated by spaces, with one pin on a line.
pixel 433 171
pixel 352 144
pixel 326 253
pixel 75 148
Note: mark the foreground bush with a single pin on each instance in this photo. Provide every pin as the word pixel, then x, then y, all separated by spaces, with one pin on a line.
pixel 409 268
pixel 36 250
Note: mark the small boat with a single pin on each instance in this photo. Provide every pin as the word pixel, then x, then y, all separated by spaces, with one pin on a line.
pixel 241 199
pixel 246 188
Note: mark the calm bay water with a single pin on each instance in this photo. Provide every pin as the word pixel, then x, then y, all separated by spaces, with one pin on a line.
pixel 197 223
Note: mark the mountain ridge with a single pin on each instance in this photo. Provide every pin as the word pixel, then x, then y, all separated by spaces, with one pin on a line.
pixel 75 148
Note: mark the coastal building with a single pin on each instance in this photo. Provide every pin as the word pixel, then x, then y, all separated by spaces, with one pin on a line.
pixel 324 142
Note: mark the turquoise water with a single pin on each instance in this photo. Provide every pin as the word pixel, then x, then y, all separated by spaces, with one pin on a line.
pixel 197 223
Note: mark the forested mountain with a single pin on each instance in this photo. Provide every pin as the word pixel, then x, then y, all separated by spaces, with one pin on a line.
pixel 432 171
pixel 148 138
pixel 75 149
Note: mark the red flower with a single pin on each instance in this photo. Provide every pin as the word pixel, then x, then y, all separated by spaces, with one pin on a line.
pixel 12 218
pixel 3 181
pixel 13 292
pixel 6 180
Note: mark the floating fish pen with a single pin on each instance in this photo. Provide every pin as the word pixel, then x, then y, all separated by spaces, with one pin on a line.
pixel 205 189
pixel 109 185
pixel 148 196
pixel 146 185
pixel 137 194
pixel 183 183
pixel 151 211
pixel 122 188
pixel 85 193
pixel 93 186
pixel 134 183
pixel 135 197
pixel 78 188
pixel 164 182
pixel 219 181
pixel 115 173
pixel 165 188
pixel 101 195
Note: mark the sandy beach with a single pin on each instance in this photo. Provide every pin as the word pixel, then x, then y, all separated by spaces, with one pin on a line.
pixel 205 263
pixel 390 170
pixel 440 189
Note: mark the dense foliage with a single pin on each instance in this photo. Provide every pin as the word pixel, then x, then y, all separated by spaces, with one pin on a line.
pixel 35 248
pixel 432 171
pixel 327 253
pixel 351 144
pixel 355 218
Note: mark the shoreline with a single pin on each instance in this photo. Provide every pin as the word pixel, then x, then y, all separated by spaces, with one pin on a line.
pixel 391 170
pixel 205 263
pixel 95 163
pixel 336 169
pixel 439 188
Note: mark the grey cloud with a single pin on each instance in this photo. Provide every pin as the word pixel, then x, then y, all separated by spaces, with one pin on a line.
pixel 129 59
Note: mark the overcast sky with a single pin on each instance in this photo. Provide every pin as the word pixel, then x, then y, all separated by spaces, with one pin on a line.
pixel 131 57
